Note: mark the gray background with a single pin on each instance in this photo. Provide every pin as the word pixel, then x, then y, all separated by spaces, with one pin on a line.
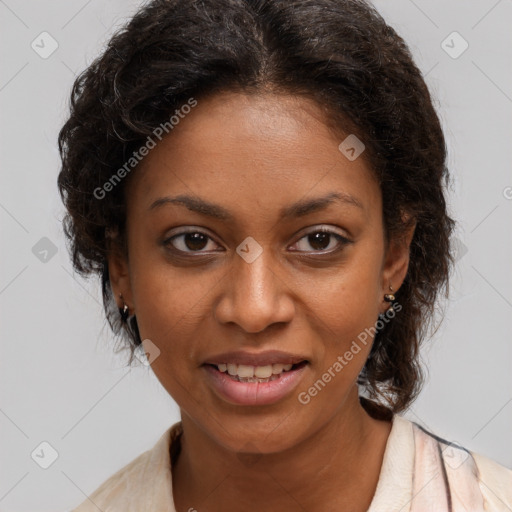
pixel 60 380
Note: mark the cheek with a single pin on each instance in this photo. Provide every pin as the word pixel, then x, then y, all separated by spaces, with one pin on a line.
pixel 171 306
pixel 164 295
pixel 347 310
pixel 167 307
pixel 350 298
pixel 167 311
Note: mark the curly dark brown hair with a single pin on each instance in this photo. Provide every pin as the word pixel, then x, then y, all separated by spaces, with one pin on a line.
pixel 342 54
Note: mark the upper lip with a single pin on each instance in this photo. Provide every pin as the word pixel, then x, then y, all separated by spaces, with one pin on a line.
pixel 256 358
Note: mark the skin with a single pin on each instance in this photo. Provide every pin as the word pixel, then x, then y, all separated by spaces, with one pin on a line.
pixel 253 155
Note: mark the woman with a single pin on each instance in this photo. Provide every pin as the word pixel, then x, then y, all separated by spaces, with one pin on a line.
pixel 260 185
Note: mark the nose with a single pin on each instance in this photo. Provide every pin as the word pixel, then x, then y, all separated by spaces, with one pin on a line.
pixel 255 295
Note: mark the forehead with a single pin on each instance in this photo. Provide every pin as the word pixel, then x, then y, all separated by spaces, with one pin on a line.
pixel 253 151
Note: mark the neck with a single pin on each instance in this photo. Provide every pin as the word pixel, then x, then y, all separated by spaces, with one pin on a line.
pixel 339 464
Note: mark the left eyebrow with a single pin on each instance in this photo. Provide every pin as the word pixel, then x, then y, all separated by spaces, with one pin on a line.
pixel 298 209
pixel 302 208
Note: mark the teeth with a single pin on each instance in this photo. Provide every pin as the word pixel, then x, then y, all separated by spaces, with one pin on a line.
pixel 263 372
pixel 248 372
pixel 277 368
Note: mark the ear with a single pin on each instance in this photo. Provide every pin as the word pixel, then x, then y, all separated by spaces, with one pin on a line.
pixel 119 273
pixel 396 260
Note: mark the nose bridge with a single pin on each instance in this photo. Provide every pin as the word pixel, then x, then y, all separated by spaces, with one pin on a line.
pixel 255 296
pixel 254 281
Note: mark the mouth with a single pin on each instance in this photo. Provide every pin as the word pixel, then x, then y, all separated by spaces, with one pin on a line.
pixel 252 374
pixel 254 385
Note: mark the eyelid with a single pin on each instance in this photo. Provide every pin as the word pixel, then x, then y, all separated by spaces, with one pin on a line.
pixel 342 239
pixel 321 228
pixel 167 239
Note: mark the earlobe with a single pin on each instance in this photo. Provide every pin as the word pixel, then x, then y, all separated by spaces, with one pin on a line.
pixel 397 260
pixel 119 274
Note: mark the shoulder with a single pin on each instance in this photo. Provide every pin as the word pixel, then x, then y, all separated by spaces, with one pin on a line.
pixel 495 482
pixel 116 489
pixel 465 477
pixel 143 484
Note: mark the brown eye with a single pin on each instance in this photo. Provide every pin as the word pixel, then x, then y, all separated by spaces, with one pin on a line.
pixel 321 240
pixel 189 241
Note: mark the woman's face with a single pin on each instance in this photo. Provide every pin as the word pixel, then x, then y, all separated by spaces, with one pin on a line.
pixel 251 278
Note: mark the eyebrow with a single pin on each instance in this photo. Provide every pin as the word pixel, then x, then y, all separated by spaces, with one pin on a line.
pixel 298 209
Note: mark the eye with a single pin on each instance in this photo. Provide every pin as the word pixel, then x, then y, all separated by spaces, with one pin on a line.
pixel 323 240
pixel 189 241
pixel 320 240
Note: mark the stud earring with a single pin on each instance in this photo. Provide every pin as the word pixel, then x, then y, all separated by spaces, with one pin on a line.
pixel 389 297
pixel 125 310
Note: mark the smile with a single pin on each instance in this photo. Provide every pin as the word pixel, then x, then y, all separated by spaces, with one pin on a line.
pixel 256 373
pixel 254 385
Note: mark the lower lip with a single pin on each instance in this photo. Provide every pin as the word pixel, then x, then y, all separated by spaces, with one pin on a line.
pixel 254 393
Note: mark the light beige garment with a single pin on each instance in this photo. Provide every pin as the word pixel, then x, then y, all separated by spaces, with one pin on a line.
pixel 420 473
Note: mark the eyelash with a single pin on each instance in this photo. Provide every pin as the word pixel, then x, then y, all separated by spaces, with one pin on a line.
pixel 343 241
